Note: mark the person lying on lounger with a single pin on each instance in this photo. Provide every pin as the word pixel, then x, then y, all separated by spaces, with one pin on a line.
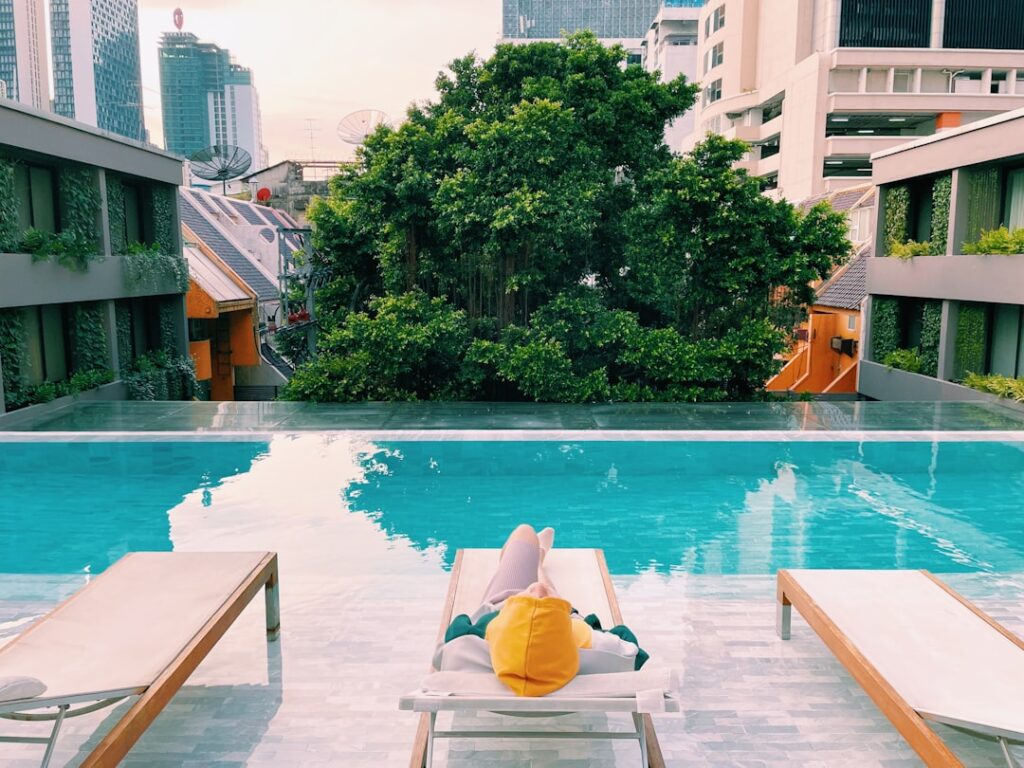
pixel 531 638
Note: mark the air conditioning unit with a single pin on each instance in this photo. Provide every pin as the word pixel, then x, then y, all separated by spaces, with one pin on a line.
pixel 843 346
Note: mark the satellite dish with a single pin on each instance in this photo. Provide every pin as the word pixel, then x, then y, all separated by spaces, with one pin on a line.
pixel 354 128
pixel 221 162
pixel 263 194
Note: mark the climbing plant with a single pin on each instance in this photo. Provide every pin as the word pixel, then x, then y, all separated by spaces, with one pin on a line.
pixel 897 215
pixel 8 207
pixel 983 203
pixel 12 353
pixel 941 190
pixel 79 204
pixel 88 336
pixel 971 337
pixel 160 376
pixel 169 311
pixel 125 340
pixel 150 268
pixel 931 331
pixel 885 327
pixel 164 199
pixel 116 215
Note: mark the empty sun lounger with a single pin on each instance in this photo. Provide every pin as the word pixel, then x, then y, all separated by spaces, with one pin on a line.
pixel 582 578
pixel 138 629
pixel 919 650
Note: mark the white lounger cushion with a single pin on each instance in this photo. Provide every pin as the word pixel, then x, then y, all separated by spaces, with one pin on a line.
pixel 614 685
pixel 944 660
pixel 14 688
pixel 129 624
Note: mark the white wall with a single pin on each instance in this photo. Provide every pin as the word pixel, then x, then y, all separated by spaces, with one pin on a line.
pixel 83 73
pixel 31 55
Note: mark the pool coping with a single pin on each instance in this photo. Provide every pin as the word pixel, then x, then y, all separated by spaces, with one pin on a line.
pixel 528 435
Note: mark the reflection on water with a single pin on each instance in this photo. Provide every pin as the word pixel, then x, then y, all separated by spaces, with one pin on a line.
pixel 78 507
pixel 343 509
pixel 706 507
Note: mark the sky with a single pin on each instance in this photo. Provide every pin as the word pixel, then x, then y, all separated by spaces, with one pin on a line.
pixel 320 60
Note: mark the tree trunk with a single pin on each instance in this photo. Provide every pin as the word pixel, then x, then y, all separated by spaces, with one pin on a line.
pixel 506 297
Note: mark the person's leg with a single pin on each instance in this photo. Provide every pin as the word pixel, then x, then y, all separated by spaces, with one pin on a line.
pixel 546 540
pixel 517 566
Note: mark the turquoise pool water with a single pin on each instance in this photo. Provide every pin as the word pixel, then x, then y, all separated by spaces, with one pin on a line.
pixel 696 507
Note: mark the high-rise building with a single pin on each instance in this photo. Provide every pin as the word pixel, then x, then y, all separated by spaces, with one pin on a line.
pixel 549 19
pixel 96 74
pixel 670 48
pixel 207 99
pixel 24 74
pixel 818 86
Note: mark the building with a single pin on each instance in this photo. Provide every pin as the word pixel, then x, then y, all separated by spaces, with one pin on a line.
pixel 96 74
pixel 614 21
pixel 76 317
pixel 24 73
pixel 670 47
pixel 292 184
pixel 818 86
pixel 934 320
pixel 250 246
pixel 207 99
pixel 826 349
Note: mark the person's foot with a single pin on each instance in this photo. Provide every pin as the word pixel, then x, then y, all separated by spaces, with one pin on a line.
pixel 546 539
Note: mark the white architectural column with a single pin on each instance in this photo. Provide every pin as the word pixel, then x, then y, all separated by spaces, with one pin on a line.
pixel 938 22
pixel 110 326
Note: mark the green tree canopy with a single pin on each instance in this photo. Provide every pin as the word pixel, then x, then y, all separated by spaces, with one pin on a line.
pixel 532 225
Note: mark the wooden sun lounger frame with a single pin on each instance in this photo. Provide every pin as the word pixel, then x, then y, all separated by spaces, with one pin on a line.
pixel 425 733
pixel 910 724
pixel 154 697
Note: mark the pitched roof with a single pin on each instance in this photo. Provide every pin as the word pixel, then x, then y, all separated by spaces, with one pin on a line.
pixel 861 196
pixel 211 277
pixel 847 288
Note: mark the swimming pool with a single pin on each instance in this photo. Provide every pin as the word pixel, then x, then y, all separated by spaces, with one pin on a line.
pixel 701 507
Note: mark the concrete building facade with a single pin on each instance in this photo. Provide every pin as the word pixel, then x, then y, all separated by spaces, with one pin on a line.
pixel 670 48
pixel 97 77
pixel 818 86
pixel 113 200
pixel 207 99
pixel 959 311
pixel 24 71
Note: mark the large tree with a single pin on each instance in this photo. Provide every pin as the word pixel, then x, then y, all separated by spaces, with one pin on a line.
pixel 533 226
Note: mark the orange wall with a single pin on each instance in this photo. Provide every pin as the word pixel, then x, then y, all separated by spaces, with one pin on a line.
pixel 243 339
pixel 200 351
pixel 198 303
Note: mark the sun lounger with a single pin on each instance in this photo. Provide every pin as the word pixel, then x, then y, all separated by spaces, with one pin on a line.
pixel 582 578
pixel 920 651
pixel 138 629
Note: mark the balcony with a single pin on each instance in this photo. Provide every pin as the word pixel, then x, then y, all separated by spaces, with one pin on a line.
pixel 27 283
pixel 863 146
pixel 923 102
pixel 991 278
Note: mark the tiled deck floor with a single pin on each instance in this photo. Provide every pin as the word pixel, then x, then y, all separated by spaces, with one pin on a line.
pixel 326 694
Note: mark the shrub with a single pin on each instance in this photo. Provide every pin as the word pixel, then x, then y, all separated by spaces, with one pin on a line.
pixel 904 360
pixel 995 384
pixel 997 241
pixel 910 249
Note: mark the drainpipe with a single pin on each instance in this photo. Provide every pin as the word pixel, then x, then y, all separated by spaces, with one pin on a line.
pixel 3 408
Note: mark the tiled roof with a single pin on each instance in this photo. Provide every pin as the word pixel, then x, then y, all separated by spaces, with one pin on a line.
pixel 845 199
pixel 848 287
pixel 214 239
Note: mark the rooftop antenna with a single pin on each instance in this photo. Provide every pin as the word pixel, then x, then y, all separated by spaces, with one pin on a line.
pixel 221 162
pixel 355 127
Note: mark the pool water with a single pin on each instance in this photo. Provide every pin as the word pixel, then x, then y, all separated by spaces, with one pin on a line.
pixel 687 507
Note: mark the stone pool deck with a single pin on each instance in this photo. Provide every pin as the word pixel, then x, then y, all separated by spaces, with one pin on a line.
pixel 325 695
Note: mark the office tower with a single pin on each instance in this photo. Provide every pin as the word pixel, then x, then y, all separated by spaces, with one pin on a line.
pixel 817 87
pixel 207 99
pixel 24 74
pixel 96 74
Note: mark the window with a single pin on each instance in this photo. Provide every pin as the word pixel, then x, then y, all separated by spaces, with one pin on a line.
pixel 718 18
pixel 717 55
pixel 713 92
pixel 860 224
pixel 1015 199
pixel 851 322
pixel 35 191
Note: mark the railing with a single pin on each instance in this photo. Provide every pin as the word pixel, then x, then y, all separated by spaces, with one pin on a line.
pixel 685 3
